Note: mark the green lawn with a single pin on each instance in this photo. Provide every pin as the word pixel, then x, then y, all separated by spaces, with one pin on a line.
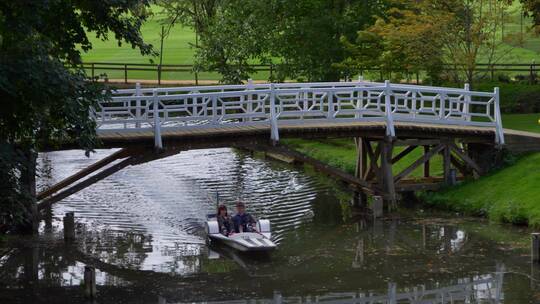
pixel 509 195
pixel 522 122
pixel 341 153
pixel 178 48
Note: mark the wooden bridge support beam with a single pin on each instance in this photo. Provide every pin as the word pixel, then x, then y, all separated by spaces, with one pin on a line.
pixel 122 153
pixel 447 163
pixel 361 169
pixel 426 164
pixel 132 157
pixel 485 156
pixel 387 148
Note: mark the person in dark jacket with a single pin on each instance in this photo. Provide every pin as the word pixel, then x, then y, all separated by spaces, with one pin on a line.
pixel 243 222
pixel 224 221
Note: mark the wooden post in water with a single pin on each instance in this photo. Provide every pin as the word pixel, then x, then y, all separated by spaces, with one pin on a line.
pixel 377 206
pixel 277 298
pixel 535 247
pixel 69 227
pixel 90 282
pixel 392 295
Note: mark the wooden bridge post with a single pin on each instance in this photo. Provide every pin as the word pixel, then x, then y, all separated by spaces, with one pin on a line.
pixel 138 104
pixel 158 143
pixel 377 206
pixel 535 247
pixel 388 185
pixel 392 294
pixel 90 282
pixel 361 168
pixel 426 164
pixel 69 226
pixel 447 164
pixel 249 87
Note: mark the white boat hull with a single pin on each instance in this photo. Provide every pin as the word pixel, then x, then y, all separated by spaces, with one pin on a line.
pixel 245 241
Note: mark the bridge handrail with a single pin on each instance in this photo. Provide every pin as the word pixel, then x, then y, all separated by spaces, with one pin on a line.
pixel 266 86
pixel 198 107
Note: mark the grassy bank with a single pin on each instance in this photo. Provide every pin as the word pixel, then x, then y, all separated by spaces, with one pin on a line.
pixel 522 122
pixel 511 194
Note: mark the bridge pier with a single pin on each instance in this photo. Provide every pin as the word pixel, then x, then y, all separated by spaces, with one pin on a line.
pixel 486 156
pixel 389 188
pixel 361 168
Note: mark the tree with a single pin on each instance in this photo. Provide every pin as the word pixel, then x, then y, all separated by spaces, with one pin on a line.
pixel 406 39
pixel 532 8
pixel 301 38
pixel 44 96
pixel 422 35
pixel 473 33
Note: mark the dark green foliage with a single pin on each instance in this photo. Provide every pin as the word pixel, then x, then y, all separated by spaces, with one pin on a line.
pixel 13 208
pixel 300 38
pixel 41 101
pixel 515 97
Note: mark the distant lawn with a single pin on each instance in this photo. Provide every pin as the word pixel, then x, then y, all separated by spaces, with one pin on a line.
pixel 178 49
pixel 341 154
pixel 522 122
pixel 177 46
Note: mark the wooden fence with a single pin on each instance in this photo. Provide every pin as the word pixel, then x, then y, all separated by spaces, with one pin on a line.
pixel 96 68
pixel 99 68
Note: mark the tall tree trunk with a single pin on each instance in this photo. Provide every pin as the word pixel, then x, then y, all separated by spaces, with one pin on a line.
pixel 28 180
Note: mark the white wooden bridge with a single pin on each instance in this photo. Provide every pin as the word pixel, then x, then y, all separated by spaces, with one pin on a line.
pixel 463 126
pixel 159 112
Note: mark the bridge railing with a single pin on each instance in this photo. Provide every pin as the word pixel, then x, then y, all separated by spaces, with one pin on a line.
pixel 296 103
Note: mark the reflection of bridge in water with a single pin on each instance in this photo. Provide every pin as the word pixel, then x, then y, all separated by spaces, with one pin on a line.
pixel 480 289
pixel 487 289
pixel 61 267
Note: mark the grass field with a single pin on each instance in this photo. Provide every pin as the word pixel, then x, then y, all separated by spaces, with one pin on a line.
pixel 522 122
pixel 178 48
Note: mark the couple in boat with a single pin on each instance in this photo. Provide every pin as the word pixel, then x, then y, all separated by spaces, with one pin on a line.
pixel 241 222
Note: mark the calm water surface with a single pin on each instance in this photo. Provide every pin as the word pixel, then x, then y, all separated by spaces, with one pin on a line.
pixel 142 229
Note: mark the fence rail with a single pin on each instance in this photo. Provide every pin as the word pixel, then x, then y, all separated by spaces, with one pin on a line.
pixel 156 71
pixel 97 68
pixel 296 103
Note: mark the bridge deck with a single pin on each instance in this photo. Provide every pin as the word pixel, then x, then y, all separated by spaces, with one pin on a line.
pixel 231 132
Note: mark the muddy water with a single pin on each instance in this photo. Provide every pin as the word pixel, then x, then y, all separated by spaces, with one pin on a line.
pixel 142 230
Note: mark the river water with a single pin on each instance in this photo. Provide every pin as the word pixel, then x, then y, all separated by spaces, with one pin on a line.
pixel 142 228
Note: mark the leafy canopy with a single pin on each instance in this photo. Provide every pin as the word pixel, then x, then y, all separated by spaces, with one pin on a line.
pixel 41 100
pixel 300 38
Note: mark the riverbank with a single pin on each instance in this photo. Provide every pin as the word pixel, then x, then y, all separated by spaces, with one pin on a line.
pixel 507 195
pixel 510 194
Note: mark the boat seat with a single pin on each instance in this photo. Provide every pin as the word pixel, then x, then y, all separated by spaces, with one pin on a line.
pixel 263 226
pixel 212 227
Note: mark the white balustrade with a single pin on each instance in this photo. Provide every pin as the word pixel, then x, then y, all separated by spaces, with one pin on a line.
pixel 296 103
